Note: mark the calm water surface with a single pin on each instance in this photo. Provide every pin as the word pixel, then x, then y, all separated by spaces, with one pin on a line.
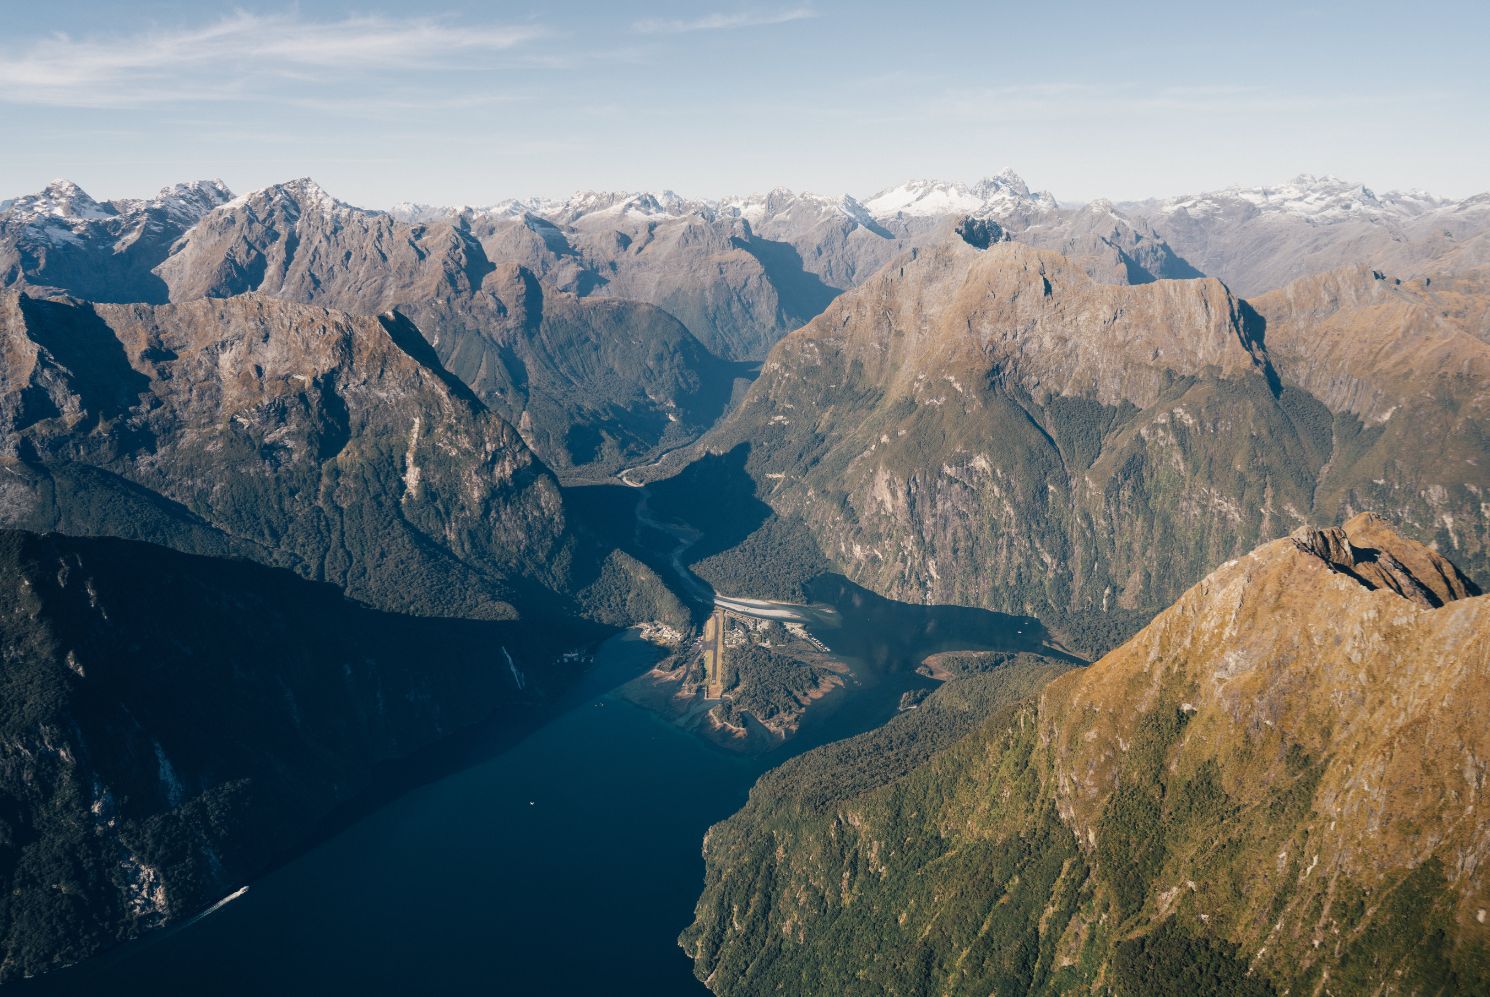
pixel 566 863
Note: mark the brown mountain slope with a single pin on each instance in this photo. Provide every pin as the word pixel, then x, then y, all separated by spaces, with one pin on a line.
pixel 737 292
pixel 295 241
pixel 1276 786
pixel 994 428
pixel 592 382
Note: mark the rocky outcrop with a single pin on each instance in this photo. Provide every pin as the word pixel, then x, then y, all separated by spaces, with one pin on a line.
pixel 1274 787
pixel 1369 551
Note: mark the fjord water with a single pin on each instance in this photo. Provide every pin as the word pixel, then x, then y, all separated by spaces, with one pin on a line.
pixel 564 863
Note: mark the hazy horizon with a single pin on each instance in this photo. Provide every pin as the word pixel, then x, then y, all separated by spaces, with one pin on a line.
pixel 459 103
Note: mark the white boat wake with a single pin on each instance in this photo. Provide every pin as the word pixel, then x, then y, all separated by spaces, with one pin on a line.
pixel 218 906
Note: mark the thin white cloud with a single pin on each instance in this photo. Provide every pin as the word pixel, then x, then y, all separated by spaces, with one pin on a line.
pixel 1050 101
pixel 721 22
pixel 217 61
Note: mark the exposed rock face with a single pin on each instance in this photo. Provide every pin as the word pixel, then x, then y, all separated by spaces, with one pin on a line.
pixel 993 428
pixel 294 435
pixel 838 239
pixel 1110 246
pixel 737 292
pixel 1404 366
pixel 1274 787
pixel 592 384
pixel 1366 549
pixel 1260 238
pixel 174 725
pixel 739 273
pixel 297 242
pixel 743 271
pixel 61 239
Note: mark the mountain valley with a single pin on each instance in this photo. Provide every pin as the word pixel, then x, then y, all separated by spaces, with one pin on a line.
pixel 1088 596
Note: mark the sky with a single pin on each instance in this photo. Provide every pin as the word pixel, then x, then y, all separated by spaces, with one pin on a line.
pixel 470 103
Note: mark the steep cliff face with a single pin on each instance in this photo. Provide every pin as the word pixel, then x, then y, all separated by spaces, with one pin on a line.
pixel 1111 246
pixel 592 384
pixel 736 291
pixel 1277 786
pixel 991 427
pixel 174 724
pixel 297 436
pixel 1404 368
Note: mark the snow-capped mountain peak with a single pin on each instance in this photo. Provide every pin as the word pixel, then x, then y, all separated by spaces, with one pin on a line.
pixel 994 196
pixel 62 200
pixel 804 208
pixel 1320 199
pixel 310 194
pixel 186 203
pixel 302 194
pixel 924 198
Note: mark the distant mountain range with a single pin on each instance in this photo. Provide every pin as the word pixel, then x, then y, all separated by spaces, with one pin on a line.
pixel 409 434
pixel 736 273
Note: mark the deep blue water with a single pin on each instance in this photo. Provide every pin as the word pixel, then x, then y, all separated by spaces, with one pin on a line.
pixel 564 863
pixel 567 863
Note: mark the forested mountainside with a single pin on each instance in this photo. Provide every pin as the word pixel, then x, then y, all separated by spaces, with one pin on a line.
pixel 174 724
pixel 990 427
pixel 334 445
pixel 1275 787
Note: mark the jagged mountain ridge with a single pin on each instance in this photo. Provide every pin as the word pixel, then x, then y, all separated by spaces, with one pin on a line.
pixel 1264 236
pixel 1274 787
pixel 61 238
pixel 591 382
pixel 294 435
pixel 1260 238
pixel 992 428
pixel 837 242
